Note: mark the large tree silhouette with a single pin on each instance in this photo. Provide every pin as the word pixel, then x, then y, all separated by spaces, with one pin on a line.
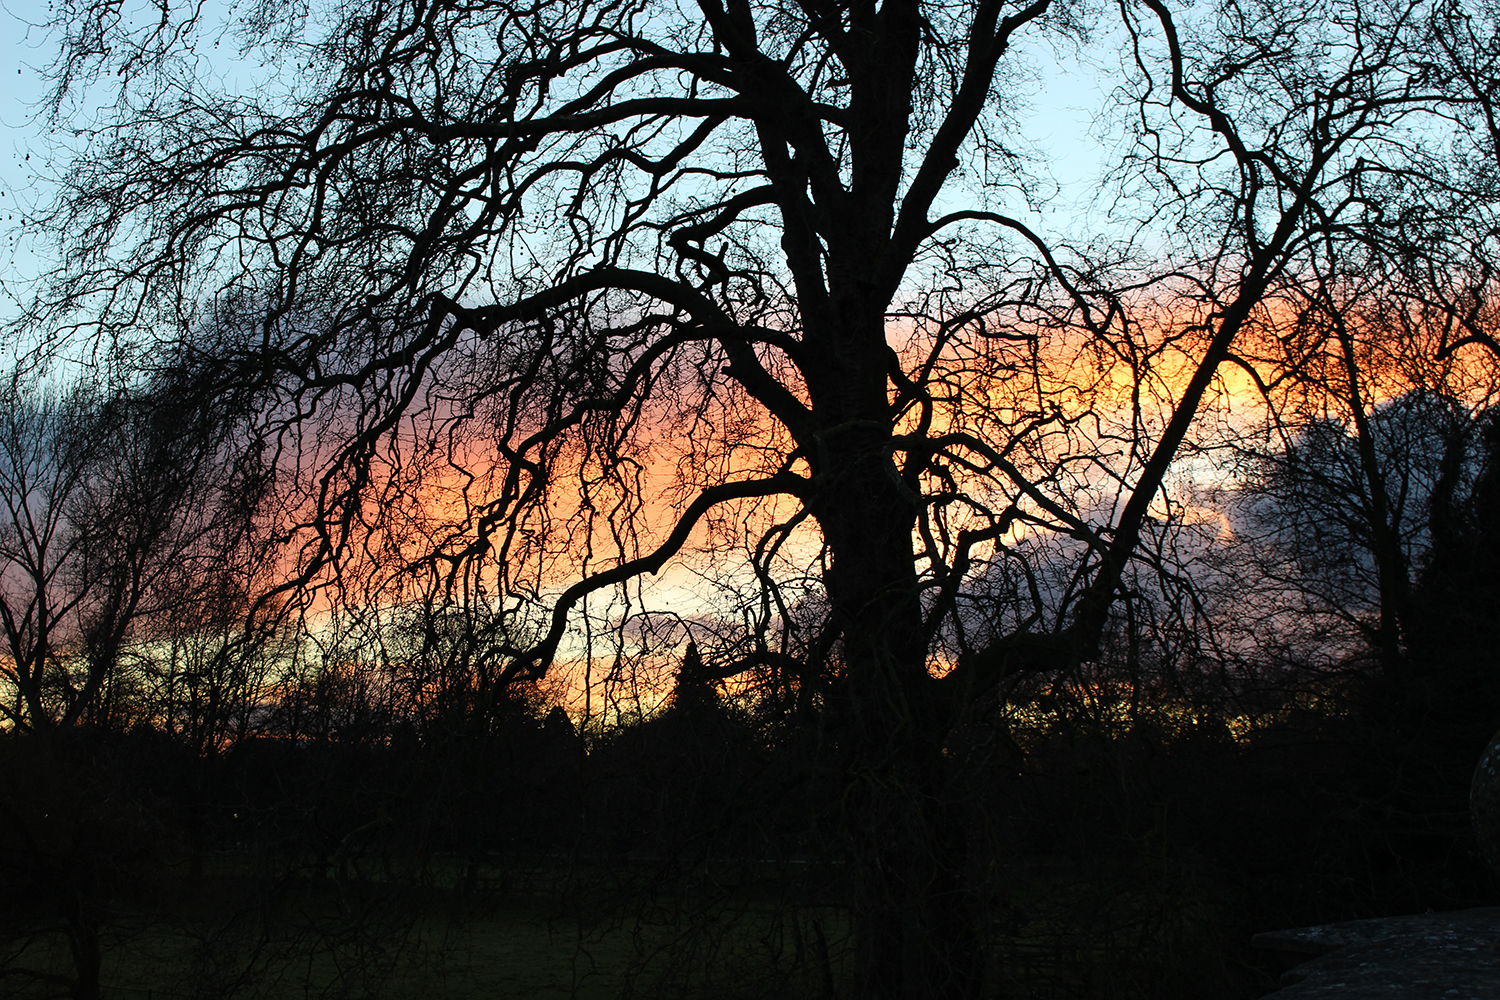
pixel 485 270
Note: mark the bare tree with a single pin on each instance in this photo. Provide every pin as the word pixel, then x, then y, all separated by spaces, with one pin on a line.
pixel 112 516
pixel 505 263
pixel 1361 401
pixel 48 452
pixel 113 524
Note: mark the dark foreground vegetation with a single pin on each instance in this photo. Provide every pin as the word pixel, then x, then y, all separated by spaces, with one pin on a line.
pixel 224 802
pixel 1124 844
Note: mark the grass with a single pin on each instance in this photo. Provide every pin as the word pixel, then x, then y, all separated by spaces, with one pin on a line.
pixel 558 929
pixel 543 928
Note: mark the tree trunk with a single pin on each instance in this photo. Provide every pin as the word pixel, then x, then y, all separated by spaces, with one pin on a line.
pixel 83 943
pixel 916 925
pixel 915 933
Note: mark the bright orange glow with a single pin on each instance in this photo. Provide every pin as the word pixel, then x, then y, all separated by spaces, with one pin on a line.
pixel 1077 414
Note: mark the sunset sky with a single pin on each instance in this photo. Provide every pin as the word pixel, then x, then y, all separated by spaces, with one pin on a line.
pixel 1065 130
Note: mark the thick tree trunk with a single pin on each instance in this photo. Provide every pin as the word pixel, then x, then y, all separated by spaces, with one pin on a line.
pixel 83 944
pixel 914 923
pixel 916 930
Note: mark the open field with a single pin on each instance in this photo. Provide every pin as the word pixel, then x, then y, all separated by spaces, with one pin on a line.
pixel 552 928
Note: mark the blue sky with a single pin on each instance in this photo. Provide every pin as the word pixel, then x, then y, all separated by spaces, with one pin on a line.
pixel 1068 95
pixel 20 130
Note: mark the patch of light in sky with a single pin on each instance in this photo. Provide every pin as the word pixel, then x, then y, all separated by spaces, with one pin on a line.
pixel 1060 125
pixel 33 148
pixel 1063 122
pixel 22 131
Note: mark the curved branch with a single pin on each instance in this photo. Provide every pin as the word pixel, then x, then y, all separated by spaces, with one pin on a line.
pixel 486 320
pixel 1042 248
pixel 988 41
pixel 533 663
pixel 1077 528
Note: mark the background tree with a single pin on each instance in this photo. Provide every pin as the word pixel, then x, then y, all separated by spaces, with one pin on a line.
pixel 50 451
pixel 118 536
